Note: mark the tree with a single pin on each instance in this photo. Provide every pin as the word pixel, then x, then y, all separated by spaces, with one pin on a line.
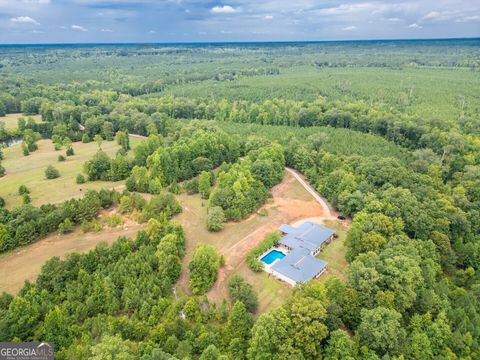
pixel 204 181
pixel 381 330
pixel 114 348
pixel 22 190
pixel 203 268
pixel 215 218
pixel 239 322
pixel 98 167
pixel 123 140
pixel 51 172
pixel 56 328
pixel 339 346
pixel 210 353
pixel 241 291
pixel 98 139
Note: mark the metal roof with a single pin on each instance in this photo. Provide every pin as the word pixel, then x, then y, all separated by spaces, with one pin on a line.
pixel 308 236
pixel 299 265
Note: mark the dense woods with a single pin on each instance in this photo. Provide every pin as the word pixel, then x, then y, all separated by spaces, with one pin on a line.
pixel 224 121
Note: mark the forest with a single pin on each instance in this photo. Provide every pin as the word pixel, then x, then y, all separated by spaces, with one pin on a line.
pixel 387 132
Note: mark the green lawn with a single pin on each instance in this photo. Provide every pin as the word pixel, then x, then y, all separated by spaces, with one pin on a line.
pixel 30 171
pixel 11 120
pixel 334 253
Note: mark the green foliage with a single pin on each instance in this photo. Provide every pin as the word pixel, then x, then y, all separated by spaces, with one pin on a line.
pixel 80 179
pixel 65 227
pixel 252 257
pixel 204 183
pixel 164 203
pixel 51 172
pixel 203 268
pixel 61 158
pixel 241 291
pixel 22 190
pixel 215 218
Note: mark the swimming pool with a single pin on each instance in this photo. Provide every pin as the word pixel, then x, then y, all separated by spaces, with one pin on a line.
pixel 272 256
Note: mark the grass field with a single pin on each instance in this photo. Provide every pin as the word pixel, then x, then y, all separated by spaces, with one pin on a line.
pixel 11 120
pixel 290 202
pixel 25 263
pixel 29 170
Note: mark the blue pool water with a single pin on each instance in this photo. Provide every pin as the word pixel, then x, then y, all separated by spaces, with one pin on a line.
pixel 272 256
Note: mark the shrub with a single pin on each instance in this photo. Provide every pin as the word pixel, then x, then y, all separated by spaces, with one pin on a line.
pixel 61 158
pixel 70 151
pixel 66 226
pixel 113 220
pixel 91 226
pixel 204 268
pixel 25 150
pixel 22 190
pixel 57 146
pixel 2 202
pixel 80 179
pixel 252 256
pixel 162 203
pixel 215 219
pixel 85 139
pixel 242 291
pixel 26 199
pixel 51 172
pixel 191 186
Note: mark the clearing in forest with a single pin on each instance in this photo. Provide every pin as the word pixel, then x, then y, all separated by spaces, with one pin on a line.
pixel 290 203
pixel 30 171
pixel 25 263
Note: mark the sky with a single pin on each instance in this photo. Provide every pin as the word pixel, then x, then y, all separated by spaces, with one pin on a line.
pixel 82 21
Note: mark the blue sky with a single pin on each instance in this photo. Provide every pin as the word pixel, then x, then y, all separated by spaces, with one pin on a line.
pixel 47 21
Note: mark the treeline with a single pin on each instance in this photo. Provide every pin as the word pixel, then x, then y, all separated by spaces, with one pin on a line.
pixel 27 224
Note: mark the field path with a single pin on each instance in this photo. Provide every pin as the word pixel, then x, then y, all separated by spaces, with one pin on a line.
pixel 328 211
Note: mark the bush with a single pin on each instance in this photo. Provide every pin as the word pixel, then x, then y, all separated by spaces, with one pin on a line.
pixel 204 268
pixel 162 203
pixel 252 256
pixel 113 220
pixel 242 291
pixel 66 226
pixel 80 179
pixel 57 146
pixel 2 202
pixel 22 190
pixel 61 158
pixel 91 226
pixel 191 186
pixel 85 139
pixel 70 151
pixel 51 172
pixel 215 219
pixel 26 199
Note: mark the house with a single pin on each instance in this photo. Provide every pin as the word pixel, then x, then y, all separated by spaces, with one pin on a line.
pixel 299 245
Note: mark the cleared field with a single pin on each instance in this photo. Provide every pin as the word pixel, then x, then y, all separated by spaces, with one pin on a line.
pixel 25 263
pixel 290 202
pixel 11 120
pixel 30 171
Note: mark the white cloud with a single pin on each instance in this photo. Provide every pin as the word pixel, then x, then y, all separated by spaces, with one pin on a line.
pixel 78 27
pixel 225 9
pixel 414 26
pixel 24 20
pixel 152 32
pixel 394 19
pixel 268 17
pixel 225 32
pixel 350 28
pixel 106 30
pixel 37 32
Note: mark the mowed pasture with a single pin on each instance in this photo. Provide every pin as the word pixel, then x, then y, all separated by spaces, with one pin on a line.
pixel 30 171
pixel 290 203
pixel 11 120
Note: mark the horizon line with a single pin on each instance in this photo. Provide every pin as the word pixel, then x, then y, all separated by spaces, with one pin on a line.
pixel 234 42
